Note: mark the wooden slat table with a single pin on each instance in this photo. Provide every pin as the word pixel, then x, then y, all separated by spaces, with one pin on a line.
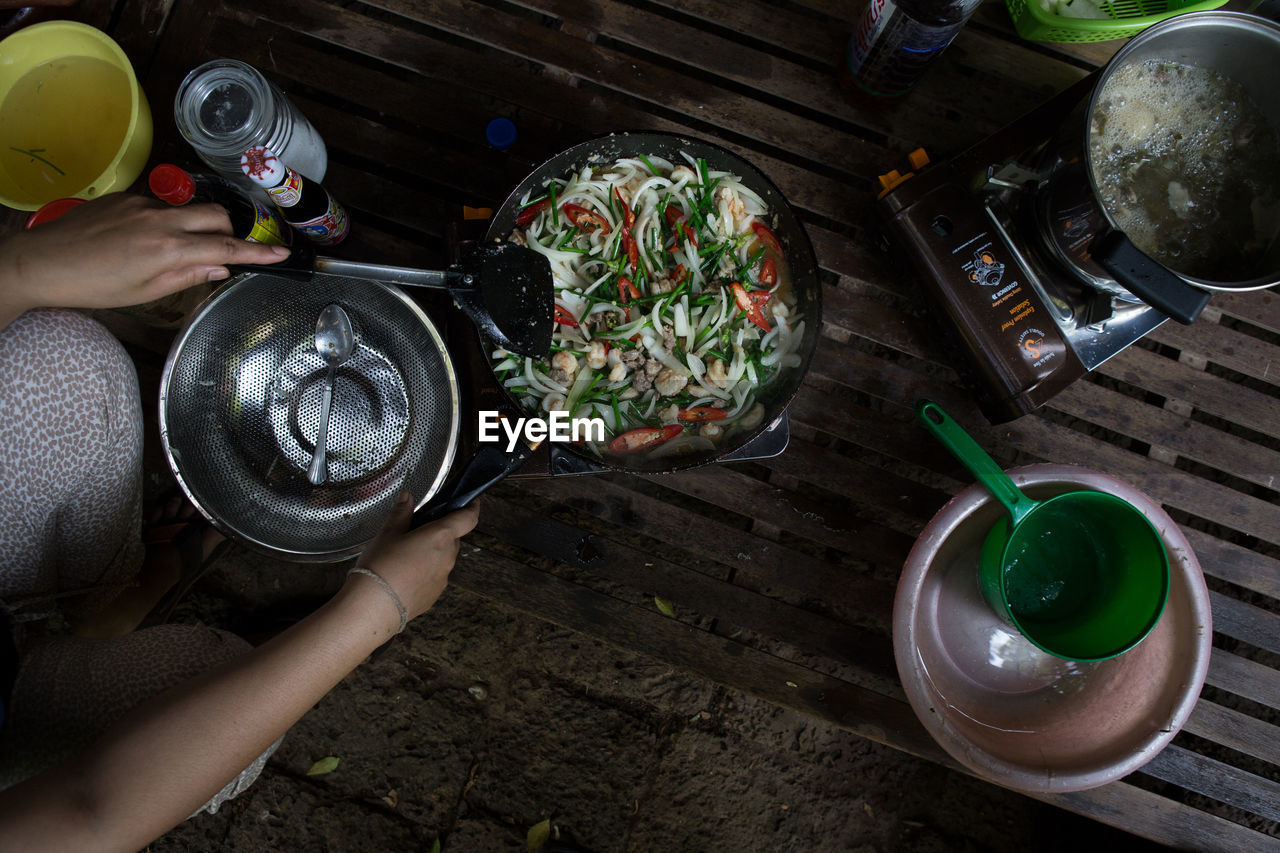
pixel 782 572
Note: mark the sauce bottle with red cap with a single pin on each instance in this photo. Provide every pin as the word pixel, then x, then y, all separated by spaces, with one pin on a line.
pixel 249 220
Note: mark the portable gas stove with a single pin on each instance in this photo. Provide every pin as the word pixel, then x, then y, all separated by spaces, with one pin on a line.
pixel 1016 282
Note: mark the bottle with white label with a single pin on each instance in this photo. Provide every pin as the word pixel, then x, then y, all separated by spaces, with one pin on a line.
pixel 896 41
pixel 305 204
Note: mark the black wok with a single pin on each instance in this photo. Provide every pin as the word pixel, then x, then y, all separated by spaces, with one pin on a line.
pixel 782 219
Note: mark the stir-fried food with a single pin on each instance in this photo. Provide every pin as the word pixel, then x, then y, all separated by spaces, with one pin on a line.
pixel 673 310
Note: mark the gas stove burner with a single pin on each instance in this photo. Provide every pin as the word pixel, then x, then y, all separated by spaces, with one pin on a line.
pixel 1032 310
pixel 1096 316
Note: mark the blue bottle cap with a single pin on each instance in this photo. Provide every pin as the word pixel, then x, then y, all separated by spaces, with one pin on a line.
pixel 501 133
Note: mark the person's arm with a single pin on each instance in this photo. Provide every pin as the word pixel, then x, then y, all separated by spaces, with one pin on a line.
pixel 167 757
pixel 120 250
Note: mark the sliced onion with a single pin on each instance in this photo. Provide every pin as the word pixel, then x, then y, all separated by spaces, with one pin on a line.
pixel 656 350
pixel 738 364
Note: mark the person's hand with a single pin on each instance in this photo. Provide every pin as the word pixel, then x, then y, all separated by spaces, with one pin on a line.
pixel 120 250
pixel 415 562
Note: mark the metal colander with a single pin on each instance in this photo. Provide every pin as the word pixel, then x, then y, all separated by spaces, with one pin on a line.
pixel 240 408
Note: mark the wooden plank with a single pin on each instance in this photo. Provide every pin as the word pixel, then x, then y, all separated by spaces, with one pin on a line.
pixel 1175 380
pixel 540 95
pixel 1245 622
pixel 650 575
pixel 663 89
pixel 1187 492
pixel 1045 440
pixel 1236 564
pixel 1163 820
pixel 1170 431
pixel 1233 729
pixel 1231 349
pixel 1243 677
pixel 863 483
pixel 717 659
pixel 773 76
pixel 808 516
pixel 757 564
pixel 1217 780
pixel 138 27
pixel 852 708
pixel 1258 307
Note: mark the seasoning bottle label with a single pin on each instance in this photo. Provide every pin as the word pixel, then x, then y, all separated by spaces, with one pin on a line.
pixel 328 228
pixel 267 228
pixel 890 50
pixel 289 191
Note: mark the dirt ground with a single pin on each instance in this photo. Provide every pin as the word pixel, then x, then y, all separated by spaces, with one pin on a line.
pixel 482 721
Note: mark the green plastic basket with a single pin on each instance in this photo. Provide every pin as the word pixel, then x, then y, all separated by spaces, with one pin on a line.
pixel 1128 18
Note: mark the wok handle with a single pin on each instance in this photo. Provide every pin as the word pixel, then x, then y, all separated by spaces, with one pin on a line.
pixel 490 465
pixel 303 262
pixel 299 266
pixel 1149 281
pixel 404 276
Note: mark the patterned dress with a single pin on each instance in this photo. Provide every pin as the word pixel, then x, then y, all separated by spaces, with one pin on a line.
pixel 70 527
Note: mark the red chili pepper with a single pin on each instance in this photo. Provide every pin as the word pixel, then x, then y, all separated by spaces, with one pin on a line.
pixel 769 272
pixel 628 217
pixel 587 220
pixel 643 438
pixel 564 316
pixel 678 274
pixel 746 303
pixel 701 414
pixel 632 250
pixel 626 290
pixel 675 219
pixel 759 297
pixel 530 213
pixel 766 238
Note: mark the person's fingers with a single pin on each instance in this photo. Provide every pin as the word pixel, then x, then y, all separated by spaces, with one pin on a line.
pixel 201 219
pixel 172 281
pixel 401 512
pixel 220 250
pixel 460 522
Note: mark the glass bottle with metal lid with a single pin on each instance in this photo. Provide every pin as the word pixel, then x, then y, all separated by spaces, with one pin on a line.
pixel 226 106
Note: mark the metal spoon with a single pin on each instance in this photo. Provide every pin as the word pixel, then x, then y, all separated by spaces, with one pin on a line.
pixel 335 342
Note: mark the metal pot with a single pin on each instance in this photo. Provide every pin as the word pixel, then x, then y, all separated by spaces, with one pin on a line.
pixel 790 233
pixel 1243 48
pixel 239 413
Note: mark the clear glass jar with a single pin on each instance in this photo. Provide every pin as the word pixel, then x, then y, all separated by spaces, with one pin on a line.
pixel 225 106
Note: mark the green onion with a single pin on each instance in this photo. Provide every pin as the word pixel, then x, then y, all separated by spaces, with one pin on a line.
pixel 751 262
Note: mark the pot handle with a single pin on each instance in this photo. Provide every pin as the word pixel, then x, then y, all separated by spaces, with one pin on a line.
pixel 1149 281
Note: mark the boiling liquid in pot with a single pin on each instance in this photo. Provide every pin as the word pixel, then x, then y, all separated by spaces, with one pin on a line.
pixel 1186 164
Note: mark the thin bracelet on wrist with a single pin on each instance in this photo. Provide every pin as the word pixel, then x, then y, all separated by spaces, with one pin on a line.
pixel 404 614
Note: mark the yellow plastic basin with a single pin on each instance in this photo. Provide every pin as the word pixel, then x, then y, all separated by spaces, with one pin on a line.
pixel 73 120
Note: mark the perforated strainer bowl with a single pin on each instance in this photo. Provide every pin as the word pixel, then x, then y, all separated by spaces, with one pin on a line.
pixel 240 408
